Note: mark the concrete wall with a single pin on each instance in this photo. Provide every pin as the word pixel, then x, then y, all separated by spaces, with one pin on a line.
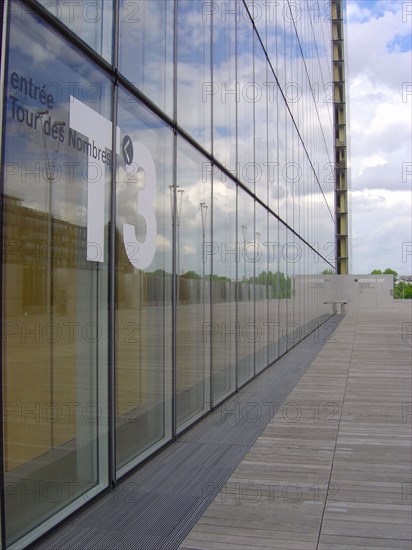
pixel 365 291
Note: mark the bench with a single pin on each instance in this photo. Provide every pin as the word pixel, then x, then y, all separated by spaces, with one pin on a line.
pixel 335 304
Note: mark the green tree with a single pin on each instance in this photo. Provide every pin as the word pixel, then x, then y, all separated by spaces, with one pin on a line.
pixel 191 275
pixel 281 286
pixel 408 291
pixel 159 273
pixel 220 278
pixel 376 272
pixel 403 291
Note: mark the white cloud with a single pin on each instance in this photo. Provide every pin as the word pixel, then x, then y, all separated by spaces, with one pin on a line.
pixel 381 223
pixel 380 133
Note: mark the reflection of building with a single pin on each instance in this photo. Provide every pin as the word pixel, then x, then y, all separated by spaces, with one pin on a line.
pixel 124 324
pixel 27 253
pixel 25 237
pixel 26 229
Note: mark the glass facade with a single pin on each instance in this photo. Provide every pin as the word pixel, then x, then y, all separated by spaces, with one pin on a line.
pixel 167 215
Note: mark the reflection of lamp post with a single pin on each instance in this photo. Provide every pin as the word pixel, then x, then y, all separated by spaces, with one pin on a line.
pixel 178 210
pixel 256 252
pixel 172 207
pixel 203 211
pixel 50 177
pixel 49 271
pixel 176 206
pixel 244 230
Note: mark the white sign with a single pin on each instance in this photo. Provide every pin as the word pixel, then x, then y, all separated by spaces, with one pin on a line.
pixel 98 130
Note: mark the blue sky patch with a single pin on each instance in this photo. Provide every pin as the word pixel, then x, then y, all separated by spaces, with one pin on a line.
pixel 400 44
pixel 376 8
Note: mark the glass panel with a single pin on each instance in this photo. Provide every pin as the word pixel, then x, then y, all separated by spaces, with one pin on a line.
pixel 146 48
pixel 195 89
pixel 225 257
pixel 262 87
pixel 273 289
pixel 263 15
pixel 283 289
pixel 194 254
pixel 289 253
pixel 248 95
pixel 263 334
pixel 143 281
pixel 295 258
pixel 281 169
pixel 55 269
pixel 246 271
pixel 226 91
pixel 91 21
pixel 301 289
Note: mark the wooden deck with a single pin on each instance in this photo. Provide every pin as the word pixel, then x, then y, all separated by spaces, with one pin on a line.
pixel 333 469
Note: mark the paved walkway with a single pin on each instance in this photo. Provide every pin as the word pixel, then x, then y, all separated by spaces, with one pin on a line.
pixel 332 470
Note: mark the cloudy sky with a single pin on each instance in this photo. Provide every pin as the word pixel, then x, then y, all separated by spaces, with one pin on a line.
pixel 379 78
